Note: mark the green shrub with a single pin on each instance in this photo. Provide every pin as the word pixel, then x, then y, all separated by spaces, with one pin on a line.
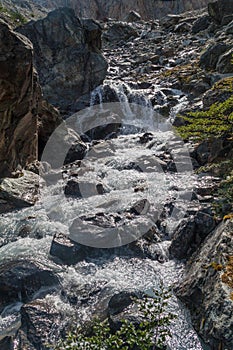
pixel 217 121
pixel 150 334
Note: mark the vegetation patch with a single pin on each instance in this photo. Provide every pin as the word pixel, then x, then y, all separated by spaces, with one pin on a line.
pixel 14 17
pixel 151 333
pixel 183 73
pixel 225 84
pixel 227 276
pixel 217 121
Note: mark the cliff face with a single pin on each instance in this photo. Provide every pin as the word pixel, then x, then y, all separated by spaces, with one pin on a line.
pixel 24 116
pixel 67 56
pixel 18 123
pixel 148 9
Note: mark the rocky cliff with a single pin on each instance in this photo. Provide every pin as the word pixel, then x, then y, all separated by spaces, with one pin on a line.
pixel 67 56
pixel 148 9
pixel 18 121
pixel 24 115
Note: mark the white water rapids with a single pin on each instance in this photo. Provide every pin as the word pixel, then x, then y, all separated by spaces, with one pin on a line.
pixel 109 163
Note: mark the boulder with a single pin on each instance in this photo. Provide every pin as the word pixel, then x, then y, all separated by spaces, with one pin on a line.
pixel 200 24
pixel 67 56
pixel 190 233
pixel 207 288
pixel 170 21
pixel 19 280
pixel 66 250
pixel 83 189
pixel 210 57
pixel 224 64
pixel 118 31
pixel 221 11
pixel 122 300
pixel 41 324
pixel 19 192
pixel 18 122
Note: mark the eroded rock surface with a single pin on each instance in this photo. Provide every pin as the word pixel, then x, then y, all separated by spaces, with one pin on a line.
pixel 207 287
pixel 67 56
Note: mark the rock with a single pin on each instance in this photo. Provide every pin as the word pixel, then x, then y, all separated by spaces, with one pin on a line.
pixel 224 64
pixel 122 300
pixel 83 189
pixel 25 118
pixel 219 93
pixel 41 324
pixel 6 344
pixel 220 11
pixel 104 9
pixel 141 207
pixel 118 31
pixel 20 192
pixel 170 21
pixel 76 152
pixel 182 27
pixel 68 251
pixel 200 24
pixel 229 28
pixel 133 16
pixel 206 289
pixel 67 56
pixel 208 151
pixel 19 280
pixel 48 120
pixel 18 123
pixel 190 233
pixel 210 57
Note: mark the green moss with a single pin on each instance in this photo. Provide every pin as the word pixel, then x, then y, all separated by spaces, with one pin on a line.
pixel 217 121
pixel 14 16
pixel 225 84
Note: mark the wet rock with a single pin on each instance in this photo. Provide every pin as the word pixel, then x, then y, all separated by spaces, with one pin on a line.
pixel 67 56
pixel 200 24
pixel 83 189
pixel 190 233
pixel 21 191
pixel 145 138
pixel 19 280
pixel 68 251
pixel 141 207
pixel 219 11
pixel 210 57
pixel 119 31
pixel 224 64
pixel 41 324
pixel 133 16
pixel 76 152
pixel 122 300
pixel 206 290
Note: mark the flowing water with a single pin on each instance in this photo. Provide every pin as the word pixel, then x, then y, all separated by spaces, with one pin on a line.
pixel 129 171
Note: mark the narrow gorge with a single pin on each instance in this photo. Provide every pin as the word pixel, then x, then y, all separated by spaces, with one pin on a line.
pixel 116 168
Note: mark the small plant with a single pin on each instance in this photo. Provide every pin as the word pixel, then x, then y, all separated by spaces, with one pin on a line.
pixel 217 121
pixel 150 334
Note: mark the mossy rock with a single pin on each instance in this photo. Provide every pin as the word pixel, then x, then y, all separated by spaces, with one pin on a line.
pixel 220 92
